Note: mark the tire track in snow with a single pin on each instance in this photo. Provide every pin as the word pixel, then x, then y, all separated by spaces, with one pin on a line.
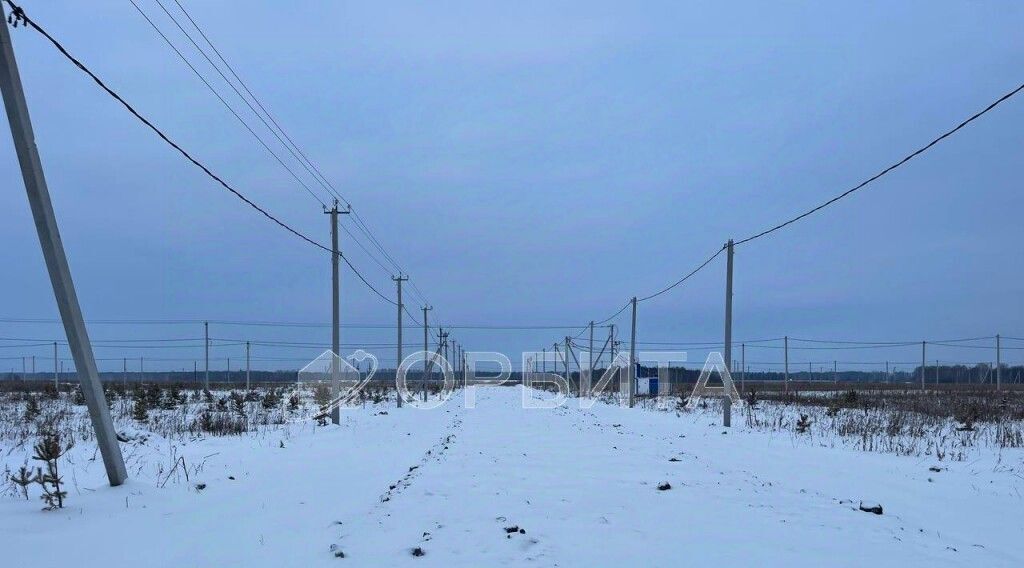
pixel 436 453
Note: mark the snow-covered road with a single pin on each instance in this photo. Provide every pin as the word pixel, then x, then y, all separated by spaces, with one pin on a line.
pixel 580 485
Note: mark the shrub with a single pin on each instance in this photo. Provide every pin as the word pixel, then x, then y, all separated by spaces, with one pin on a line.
pixel 804 424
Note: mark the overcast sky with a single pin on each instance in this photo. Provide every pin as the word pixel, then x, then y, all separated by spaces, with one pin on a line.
pixel 534 163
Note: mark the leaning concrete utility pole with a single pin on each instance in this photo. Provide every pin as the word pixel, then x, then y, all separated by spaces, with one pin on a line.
pixel 56 260
pixel 206 343
pixel 923 343
pixel 999 365
pixel 632 357
pixel 335 311
pixel 399 279
pixel 426 349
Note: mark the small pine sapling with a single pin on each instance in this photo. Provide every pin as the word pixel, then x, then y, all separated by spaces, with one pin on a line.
pixel 25 477
pixel 32 409
pixel 271 400
pixel 153 395
pixel 238 403
pixel 49 450
pixel 139 411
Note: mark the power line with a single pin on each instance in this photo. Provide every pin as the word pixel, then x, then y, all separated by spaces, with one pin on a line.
pixel 182 151
pixel 861 185
pixel 221 99
pixel 322 179
pixel 307 163
pixel 684 278
pixel 615 315
pixel 906 159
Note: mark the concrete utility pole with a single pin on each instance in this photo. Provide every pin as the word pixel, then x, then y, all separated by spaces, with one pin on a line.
pixel 398 280
pixel 426 350
pixel 726 399
pixel 247 366
pixel 124 371
pixel 632 357
pixel 557 352
pixel 142 368
pixel 923 343
pixel 835 373
pixel 611 343
pixel 206 343
pixel 743 367
pixel 999 365
pixel 727 355
pixel 195 372
pixel 56 260
pixel 786 350
pixel 590 366
pixel 568 377
pixel 56 383
pixel 335 310
pixel 544 360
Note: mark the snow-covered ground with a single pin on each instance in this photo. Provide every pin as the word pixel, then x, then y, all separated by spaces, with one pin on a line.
pixel 582 485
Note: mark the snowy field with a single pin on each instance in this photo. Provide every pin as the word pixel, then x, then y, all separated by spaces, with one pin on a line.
pixel 501 485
